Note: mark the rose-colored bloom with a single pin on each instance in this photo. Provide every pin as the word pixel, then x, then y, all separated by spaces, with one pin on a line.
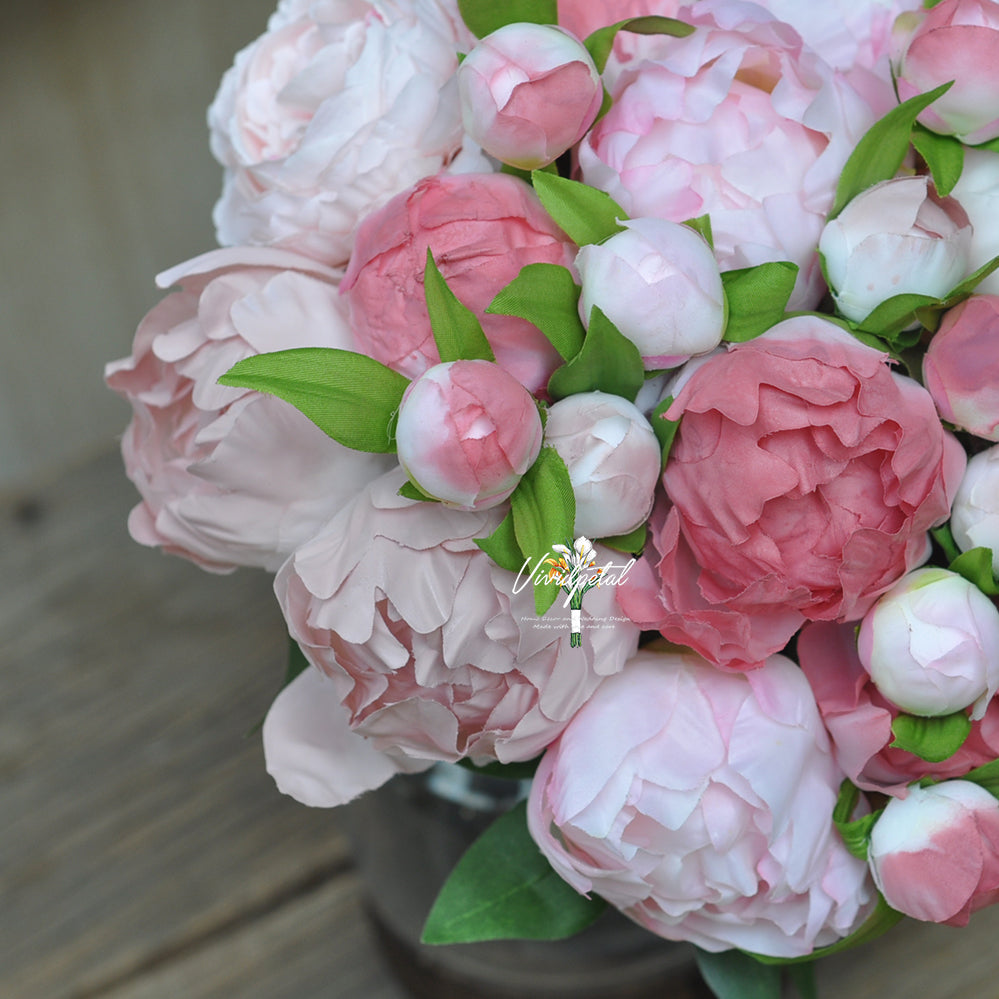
pixel 230 477
pixel 659 283
pixel 432 653
pixel 336 108
pixel 977 190
pixel 737 120
pixel 858 718
pixel 956 40
pixel 699 803
pixel 961 366
pixel 482 229
pixel 528 93
pixel 974 518
pixel 801 484
pixel 935 853
pixel 896 237
pixel 931 644
pixel 467 432
pixel 613 458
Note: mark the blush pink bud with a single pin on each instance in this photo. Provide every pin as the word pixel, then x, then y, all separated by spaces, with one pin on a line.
pixel 528 93
pixel 613 458
pixel 659 283
pixel 974 519
pixel 961 366
pixel 467 432
pixel 896 237
pixel 934 854
pixel 931 644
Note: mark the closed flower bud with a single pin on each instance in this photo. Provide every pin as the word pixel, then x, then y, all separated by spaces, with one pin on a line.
pixel 974 518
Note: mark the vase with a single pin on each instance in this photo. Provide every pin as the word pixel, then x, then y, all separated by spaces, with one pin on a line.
pixel 406 838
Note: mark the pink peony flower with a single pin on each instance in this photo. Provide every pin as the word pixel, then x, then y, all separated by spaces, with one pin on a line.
pixel 482 230
pixel 739 121
pixel 336 108
pixel 230 477
pixel 956 40
pixel 801 484
pixel 467 432
pixel 974 518
pixel 896 237
pixel 432 653
pixel 858 718
pixel 977 191
pixel 961 366
pixel 699 803
pixel 583 17
pixel 528 93
pixel 935 854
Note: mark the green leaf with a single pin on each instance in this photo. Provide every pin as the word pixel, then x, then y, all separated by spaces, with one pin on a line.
pixel 732 974
pixel 583 213
pixel 482 17
pixel 931 739
pixel 544 513
pixel 895 314
pixel 410 490
pixel 986 776
pixel 503 888
pixel 975 565
pixel 969 284
pixel 665 430
pixel 352 398
pixel 600 43
pixel 607 362
pixel 702 225
pixel 855 833
pixel 882 149
pixel 457 330
pixel 757 298
pixel 547 296
pixel 944 155
pixel 631 543
pixel 501 546
pixel 944 537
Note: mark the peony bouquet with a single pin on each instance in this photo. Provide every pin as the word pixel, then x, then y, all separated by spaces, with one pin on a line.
pixel 612 388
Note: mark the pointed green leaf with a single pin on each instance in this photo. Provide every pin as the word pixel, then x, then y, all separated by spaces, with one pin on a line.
pixel 731 974
pixel 757 298
pixel 482 17
pixel 547 296
pixel 631 543
pixel 544 513
pixel 855 832
pixel 410 490
pixel 503 888
pixel 931 739
pixel 665 430
pixel 944 537
pixel 882 149
pixel 583 213
pixel 944 155
pixel 352 398
pixel 600 43
pixel 986 776
pixel 607 362
pixel 975 565
pixel 969 284
pixel 457 331
pixel 894 314
pixel 702 225
pixel 501 546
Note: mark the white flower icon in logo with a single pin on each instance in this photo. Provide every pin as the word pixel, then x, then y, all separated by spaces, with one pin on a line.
pixel 574 571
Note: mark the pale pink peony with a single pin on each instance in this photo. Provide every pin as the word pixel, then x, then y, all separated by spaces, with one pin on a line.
pixel 739 121
pixel 700 804
pixel 961 366
pixel 897 237
pixel 230 477
pixel 934 855
pixel 482 229
pixel 528 93
pixel 336 108
pixel 801 484
pixel 956 40
pixel 431 652
pixel 858 718
pixel 977 190
pixel 583 17
pixel 467 432
pixel 974 518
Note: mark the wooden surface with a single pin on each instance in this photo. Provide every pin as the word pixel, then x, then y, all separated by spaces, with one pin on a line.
pixel 145 854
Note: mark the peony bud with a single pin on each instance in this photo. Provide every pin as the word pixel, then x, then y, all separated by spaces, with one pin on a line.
pixel 961 366
pixel 896 237
pixel 934 854
pixel 613 458
pixel 974 517
pixel 528 93
pixel 658 282
pixel 467 432
pixel 977 190
pixel 931 644
pixel 958 40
